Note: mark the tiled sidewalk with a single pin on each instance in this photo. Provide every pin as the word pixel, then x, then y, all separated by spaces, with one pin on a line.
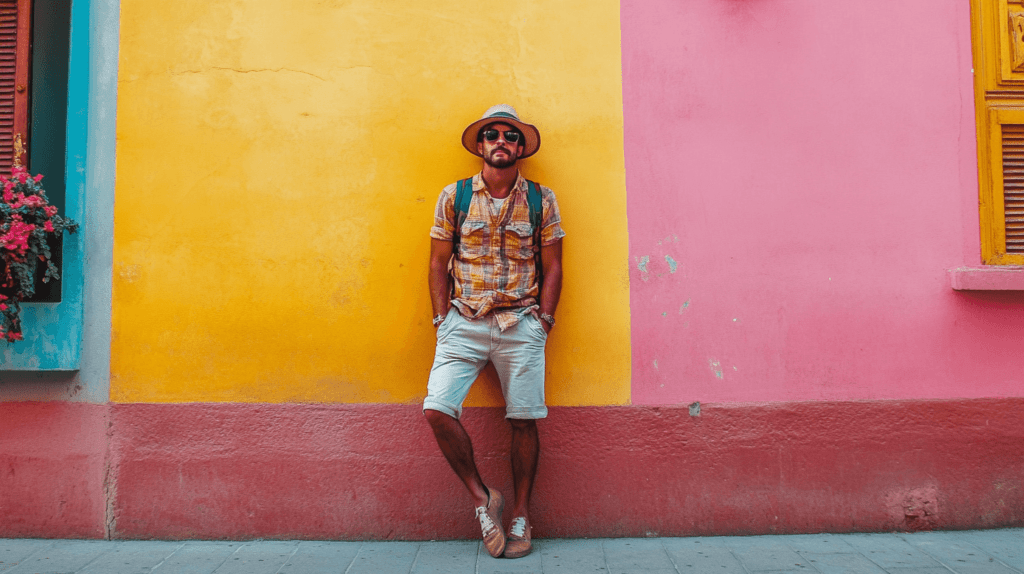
pixel 966 552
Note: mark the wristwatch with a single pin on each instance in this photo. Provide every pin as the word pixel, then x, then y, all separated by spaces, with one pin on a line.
pixel 547 319
pixel 438 319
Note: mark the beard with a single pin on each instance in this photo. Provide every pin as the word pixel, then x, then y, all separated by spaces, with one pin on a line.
pixel 508 161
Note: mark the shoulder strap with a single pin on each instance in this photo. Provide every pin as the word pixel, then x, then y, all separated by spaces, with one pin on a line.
pixel 536 216
pixel 463 197
pixel 536 206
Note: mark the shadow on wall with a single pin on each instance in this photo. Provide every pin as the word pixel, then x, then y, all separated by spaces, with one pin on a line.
pixel 39 385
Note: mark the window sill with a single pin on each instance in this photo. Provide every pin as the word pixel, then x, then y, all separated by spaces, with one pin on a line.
pixel 1001 278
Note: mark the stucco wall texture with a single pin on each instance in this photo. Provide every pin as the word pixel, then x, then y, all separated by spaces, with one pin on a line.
pixel 278 167
pixel 762 199
pixel 800 176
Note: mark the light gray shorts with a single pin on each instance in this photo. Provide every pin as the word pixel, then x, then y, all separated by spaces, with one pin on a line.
pixel 463 349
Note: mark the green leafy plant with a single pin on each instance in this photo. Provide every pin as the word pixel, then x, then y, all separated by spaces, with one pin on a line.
pixel 27 220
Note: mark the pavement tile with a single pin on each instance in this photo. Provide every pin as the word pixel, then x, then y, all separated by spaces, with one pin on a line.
pixel 198 558
pixel 840 563
pixel 764 553
pixel 970 552
pixel 380 557
pixel 818 543
pixel 628 555
pixel 451 556
pixel 14 550
pixel 63 556
pixel 702 555
pixel 570 556
pixel 321 557
pixel 955 553
pixel 134 557
pixel 1007 546
pixel 259 557
pixel 529 564
pixel 890 551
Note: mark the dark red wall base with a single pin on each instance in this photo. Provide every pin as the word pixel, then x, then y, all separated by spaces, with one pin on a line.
pixel 52 470
pixel 374 472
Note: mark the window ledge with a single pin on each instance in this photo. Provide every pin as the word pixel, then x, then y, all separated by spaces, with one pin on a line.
pixel 1001 278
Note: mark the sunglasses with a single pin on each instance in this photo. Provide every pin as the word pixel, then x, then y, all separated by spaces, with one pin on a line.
pixel 510 136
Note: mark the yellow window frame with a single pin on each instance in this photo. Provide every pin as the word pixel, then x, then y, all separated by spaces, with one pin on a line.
pixel 997 32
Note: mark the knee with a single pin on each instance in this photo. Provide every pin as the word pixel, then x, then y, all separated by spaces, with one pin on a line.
pixel 436 418
pixel 523 425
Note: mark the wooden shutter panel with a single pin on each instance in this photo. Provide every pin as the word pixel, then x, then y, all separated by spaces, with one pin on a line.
pixel 1013 186
pixel 15 31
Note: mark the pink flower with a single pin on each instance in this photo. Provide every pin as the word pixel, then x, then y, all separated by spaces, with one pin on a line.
pixel 23 177
pixel 15 170
pixel 16 238
pixel 38 178
pixel 12 336
pixel 48 226
pixel 3 306
pixel 33 201
pixel 50 210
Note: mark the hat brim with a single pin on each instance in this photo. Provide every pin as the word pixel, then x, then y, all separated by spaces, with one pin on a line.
pixel 531 135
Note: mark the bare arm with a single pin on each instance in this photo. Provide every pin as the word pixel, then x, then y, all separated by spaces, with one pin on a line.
pixel 437 277
pixel 551 290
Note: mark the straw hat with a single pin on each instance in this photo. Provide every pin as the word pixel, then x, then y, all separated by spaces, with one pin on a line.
pixel 503 113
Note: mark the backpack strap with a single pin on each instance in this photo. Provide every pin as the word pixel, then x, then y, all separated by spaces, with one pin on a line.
pixel 463 197
pixel 536 216
pixel 536 206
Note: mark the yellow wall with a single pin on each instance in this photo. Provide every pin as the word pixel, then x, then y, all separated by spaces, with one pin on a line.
pixel 277 168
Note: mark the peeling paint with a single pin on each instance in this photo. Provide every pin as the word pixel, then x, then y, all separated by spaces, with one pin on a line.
pixel 684 306
pixel 642 266
pixel 664 313
pixel 655 364
pixel 671 263
pixel 716 368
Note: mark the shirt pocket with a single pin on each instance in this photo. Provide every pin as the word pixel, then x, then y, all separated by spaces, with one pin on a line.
pixel 519 240
pixel 472 240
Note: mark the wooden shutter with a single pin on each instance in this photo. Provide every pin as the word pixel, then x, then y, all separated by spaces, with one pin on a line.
pixel 1013 186
pixel 998 44
pixel 15 32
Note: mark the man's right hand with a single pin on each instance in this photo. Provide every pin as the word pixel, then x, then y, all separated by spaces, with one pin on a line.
pixel 443 316
pixel 437 277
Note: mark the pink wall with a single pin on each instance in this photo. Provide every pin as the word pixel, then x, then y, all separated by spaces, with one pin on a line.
pixel 52 469
pixel 809 167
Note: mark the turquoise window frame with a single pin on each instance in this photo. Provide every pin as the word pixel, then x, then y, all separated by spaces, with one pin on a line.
pixel 53 331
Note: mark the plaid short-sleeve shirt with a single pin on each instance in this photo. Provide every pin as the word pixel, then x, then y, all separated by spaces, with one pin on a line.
pixel 494 270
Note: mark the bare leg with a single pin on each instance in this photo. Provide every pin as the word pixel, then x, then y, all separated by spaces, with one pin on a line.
pixel 525 451
pixel 457 448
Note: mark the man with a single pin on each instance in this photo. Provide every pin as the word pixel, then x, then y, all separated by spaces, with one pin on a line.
pixel 497 304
